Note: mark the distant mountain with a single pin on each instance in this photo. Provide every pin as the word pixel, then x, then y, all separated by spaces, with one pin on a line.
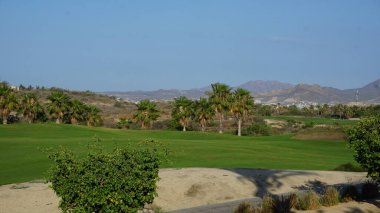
pixel 256 87
pixel 271 92
pixel 369 93
pixel 305 92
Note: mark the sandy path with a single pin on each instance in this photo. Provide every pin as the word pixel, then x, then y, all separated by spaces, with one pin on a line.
pixel 184 188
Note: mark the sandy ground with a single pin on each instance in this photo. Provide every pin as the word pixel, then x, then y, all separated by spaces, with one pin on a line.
pixel 184 188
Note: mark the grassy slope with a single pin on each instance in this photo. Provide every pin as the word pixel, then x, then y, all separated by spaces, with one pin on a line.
pixel 21 158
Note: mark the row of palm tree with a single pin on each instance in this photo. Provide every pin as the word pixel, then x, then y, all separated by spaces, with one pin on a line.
pixel 340 111
pixel 59 107
pixel 221 100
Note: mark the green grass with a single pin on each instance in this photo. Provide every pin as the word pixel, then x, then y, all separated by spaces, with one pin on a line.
pixel 314 120
pixel 21 158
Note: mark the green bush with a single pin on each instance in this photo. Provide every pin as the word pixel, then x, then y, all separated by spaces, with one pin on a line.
pixel 349 167
pixel 330 196
pixel 123 180
pixel 364 139
pixel 257 128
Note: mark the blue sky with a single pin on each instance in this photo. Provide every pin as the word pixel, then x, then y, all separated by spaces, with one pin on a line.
pixel 146 45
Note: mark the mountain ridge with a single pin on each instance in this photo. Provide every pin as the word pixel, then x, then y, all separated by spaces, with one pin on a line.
pixel 270 92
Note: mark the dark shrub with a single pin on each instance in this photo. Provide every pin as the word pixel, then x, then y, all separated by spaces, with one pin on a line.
pixel 349 167
pixel 244 207
pixel 350 193
pixel 123 180
pixel 370 189
pixel 283 204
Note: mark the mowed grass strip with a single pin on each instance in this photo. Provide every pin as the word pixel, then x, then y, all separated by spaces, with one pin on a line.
pixel 21 158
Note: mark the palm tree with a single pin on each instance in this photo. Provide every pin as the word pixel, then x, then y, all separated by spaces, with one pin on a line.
pixel 30 106
pixel 219 98
pixel 146 113
pixel 91 115
pixel 8 102
pixel 241 105
pixel 77 111
pixel 182 111
pixel 203 112
pixel 58 105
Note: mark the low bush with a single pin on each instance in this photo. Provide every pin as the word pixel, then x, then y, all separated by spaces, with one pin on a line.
pixel 370 189
pixel 308 201
pixel 267 204
pixel 349 167
pixel 330 197
pixel 350 193
pixel 123 180
pixel 244 207
pixel 257 128
pixel 283 203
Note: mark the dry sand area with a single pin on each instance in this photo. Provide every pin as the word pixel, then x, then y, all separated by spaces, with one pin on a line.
pixel 185 188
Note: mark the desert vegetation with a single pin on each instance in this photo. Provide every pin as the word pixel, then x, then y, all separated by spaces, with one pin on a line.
pixel 310 200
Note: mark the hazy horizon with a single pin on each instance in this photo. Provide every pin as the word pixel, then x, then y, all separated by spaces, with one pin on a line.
pixel 150 45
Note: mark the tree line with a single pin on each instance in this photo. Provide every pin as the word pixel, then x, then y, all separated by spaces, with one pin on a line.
pixel 59 107
pixel 221 100
pixel 338 111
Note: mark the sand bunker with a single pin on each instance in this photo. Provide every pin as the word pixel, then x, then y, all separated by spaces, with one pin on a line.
pixel 184 188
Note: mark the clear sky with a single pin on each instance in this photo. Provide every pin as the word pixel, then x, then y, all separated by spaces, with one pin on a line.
pixel 108 45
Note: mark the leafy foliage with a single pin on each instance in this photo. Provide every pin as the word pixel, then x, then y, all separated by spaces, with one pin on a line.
pixel 8 102
pixel 183 111
pixel 123 180
pixel 364 139
pixel 257 128
pixel 146 113
pixel 203 112
pixel 241 106
pixel 220 101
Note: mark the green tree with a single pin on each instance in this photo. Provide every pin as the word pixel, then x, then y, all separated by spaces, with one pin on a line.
pixel 220 101
pixel 76 111
pixel 92 116
pixel 338 109
pixel 124 123
pixel 182 111
pixel 146 113
pixel 58 105
pixel 203 112
pixel 364 139
pixel 241 105
pixel 30 106
pixel 8 102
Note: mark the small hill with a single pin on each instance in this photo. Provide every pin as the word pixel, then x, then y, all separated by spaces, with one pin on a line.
pixel 111 107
